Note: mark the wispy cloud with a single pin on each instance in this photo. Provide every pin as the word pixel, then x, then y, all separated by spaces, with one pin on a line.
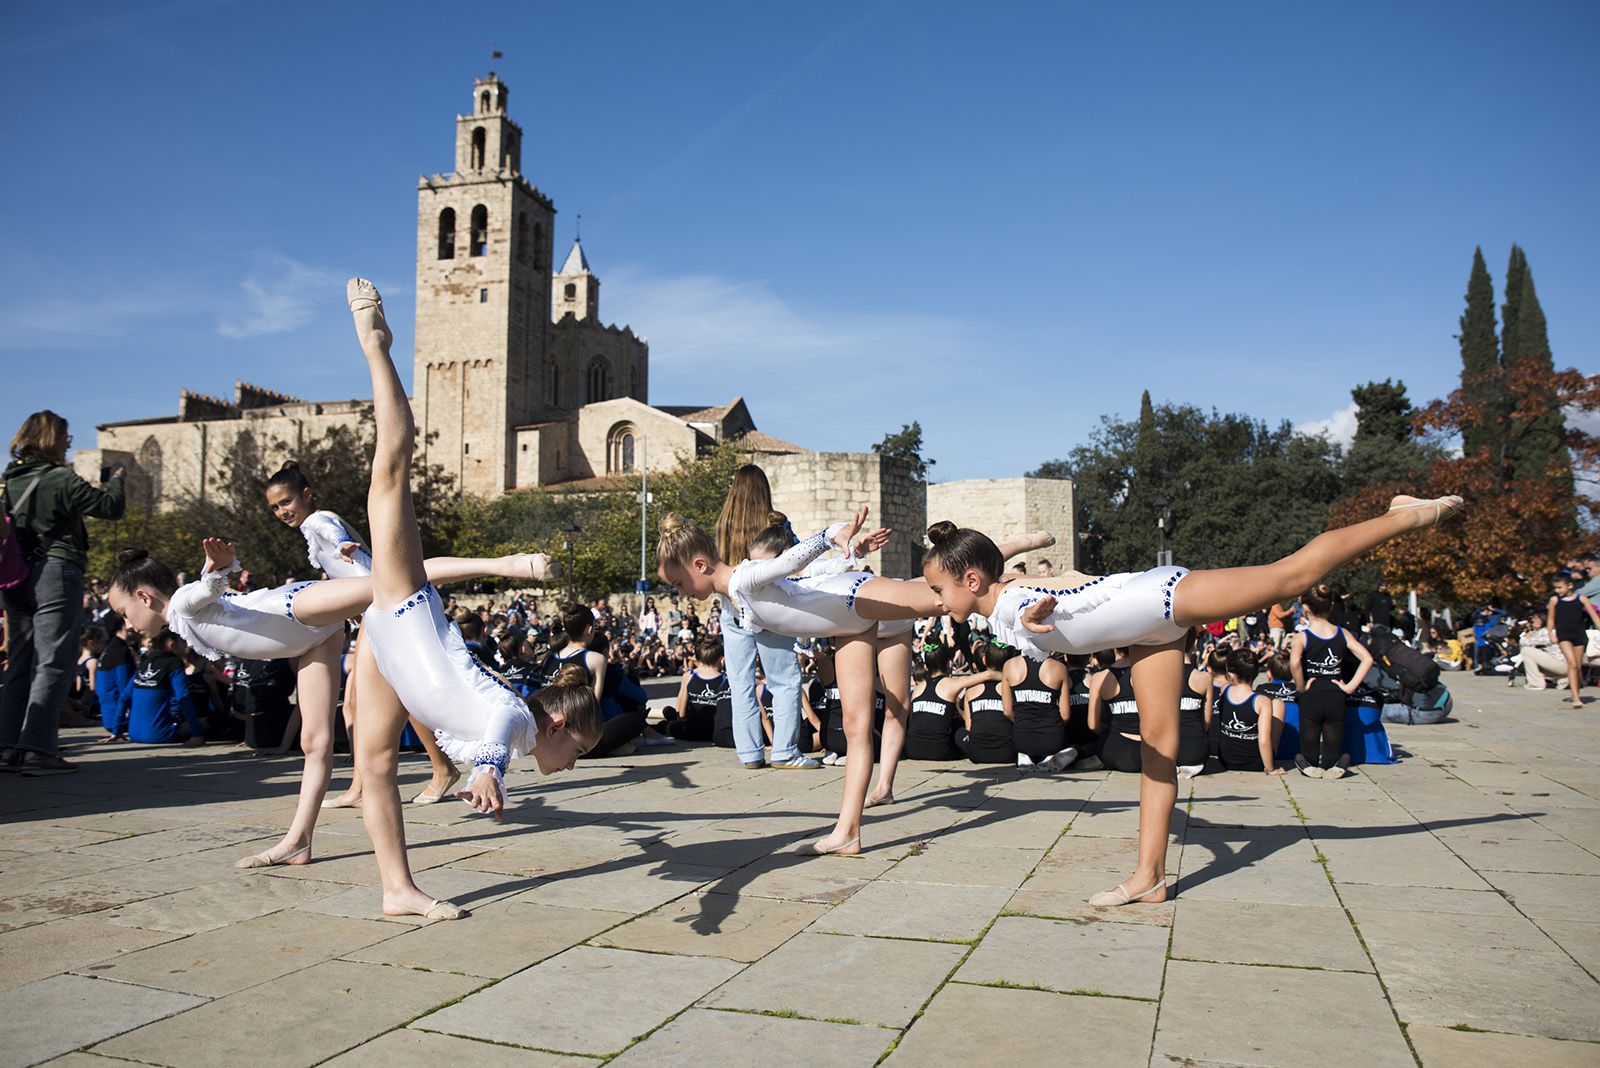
pixel 90 318
pixel 1339 428
pixel 826 379
pixel 281 294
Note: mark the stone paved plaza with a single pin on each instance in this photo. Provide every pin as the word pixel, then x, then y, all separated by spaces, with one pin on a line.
pixel 1445 910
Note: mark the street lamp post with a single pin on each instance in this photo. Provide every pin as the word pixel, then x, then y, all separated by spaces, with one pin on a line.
pixel 568 529
pixel 1163 518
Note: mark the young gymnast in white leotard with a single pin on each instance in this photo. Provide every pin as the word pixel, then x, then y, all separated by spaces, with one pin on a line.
pixel 894 637
pixel 845 607
pixel 301 621
pixel 415 660
pixel 334 548
pixel 1149 611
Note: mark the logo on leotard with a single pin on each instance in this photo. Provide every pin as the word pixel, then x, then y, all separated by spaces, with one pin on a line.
pixel 1328 665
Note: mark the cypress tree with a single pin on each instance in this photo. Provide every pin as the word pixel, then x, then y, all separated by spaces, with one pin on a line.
pixel 1510 311
pixel 1537 449
pixel 1480 360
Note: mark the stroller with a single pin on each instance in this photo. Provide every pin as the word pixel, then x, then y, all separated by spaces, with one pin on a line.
pixel 1493 653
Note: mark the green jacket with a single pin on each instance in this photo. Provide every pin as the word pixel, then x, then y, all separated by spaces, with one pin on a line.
pixel 51 519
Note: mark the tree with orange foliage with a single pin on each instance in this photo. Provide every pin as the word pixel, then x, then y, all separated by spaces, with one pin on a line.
pixel 1517 527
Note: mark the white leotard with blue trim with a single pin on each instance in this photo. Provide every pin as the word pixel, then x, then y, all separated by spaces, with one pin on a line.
pixel 324 532
pixel 763 597
pixel 1133 608
pixel 259 625
pixel 476 716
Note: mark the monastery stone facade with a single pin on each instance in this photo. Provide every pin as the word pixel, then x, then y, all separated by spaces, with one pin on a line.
pixel 519 384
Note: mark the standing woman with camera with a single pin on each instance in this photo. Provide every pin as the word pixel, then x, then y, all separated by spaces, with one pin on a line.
pixel 745 514
pixel 47 502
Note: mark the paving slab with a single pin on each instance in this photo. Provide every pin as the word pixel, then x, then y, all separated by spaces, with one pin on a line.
pixel 1521 854
pixel 408 1046
pixel 353 1003
pixel 917 910
pixel 826 880
pixel 224 899
pixel 1487 902
pixel 505 937
pixel 1441 1047
pixel 1235 1014
pixel 873 980
pixel 736 927
pixel 628 886
pixel 639 991
pixel 216 963
pixel 974 1025
pixel 951 860
pixel 1581 941
pixel 1249 932
pixel 1087 957
pixel 47 949
pixel 65 1012
pixel 703 1037
pixel 1549 897
pixel 1414 859
pixel 1480 971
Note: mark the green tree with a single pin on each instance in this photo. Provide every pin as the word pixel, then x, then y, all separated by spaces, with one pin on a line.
pixel 234 505
pixel 1238 490
pixel 1535 447
pixel 1385 447
pixel 1480 356
pixel 905 445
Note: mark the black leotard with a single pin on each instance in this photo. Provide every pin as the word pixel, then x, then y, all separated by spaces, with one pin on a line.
pixel 1078 732
pixel 1325 660
pixel 989 739
pixel 931 730
pixel 1238 723
pixel 1037 729
pixel 1191 724
pixel 707 712
pixel 1116 752
pixel 1570 623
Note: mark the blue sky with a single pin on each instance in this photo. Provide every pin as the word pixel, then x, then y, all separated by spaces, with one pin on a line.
pixel 1001 221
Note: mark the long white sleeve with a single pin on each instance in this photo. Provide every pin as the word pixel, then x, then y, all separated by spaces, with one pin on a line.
pixel 192 598
pixel 753 574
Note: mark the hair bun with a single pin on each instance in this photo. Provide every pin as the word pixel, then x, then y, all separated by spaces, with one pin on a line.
pixel 672 521
pixel 132 555
pixel 571 675
pixel 290 465
pixel 776 519
pixel 941 531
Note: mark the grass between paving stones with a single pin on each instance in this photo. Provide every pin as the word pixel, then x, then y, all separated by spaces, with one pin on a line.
pixel 1327 871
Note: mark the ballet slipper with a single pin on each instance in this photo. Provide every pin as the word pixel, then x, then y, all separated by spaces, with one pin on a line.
pixel 1117 896
pixel 874 802
pixel 362 294
pixel 541 568
pixel 1443 507
pixel 428 797
pixel 442 910
pixel 817 849
pixel 264 859
pixel 341 802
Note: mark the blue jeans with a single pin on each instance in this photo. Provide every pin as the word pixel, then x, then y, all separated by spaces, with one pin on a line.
pixel 42 613
pixel 739 648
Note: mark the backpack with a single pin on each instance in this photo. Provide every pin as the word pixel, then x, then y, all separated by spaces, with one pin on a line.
pixel 13 563
pixel 1414 671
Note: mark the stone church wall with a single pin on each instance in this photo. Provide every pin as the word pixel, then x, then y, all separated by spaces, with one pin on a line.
pixel 817 489
pixel 1001 507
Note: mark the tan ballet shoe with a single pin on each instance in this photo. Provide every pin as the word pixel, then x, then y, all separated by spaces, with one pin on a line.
pixel 816 849
pixel 428 797
pixel 362 294
pixel 264 860
pixel 1117 896
pixel 1442 507
pixel 874 802
pixel 443 910
pixel 541 568
pixel 340 802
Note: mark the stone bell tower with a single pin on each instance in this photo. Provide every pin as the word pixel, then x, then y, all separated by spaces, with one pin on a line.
pixel 483 298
